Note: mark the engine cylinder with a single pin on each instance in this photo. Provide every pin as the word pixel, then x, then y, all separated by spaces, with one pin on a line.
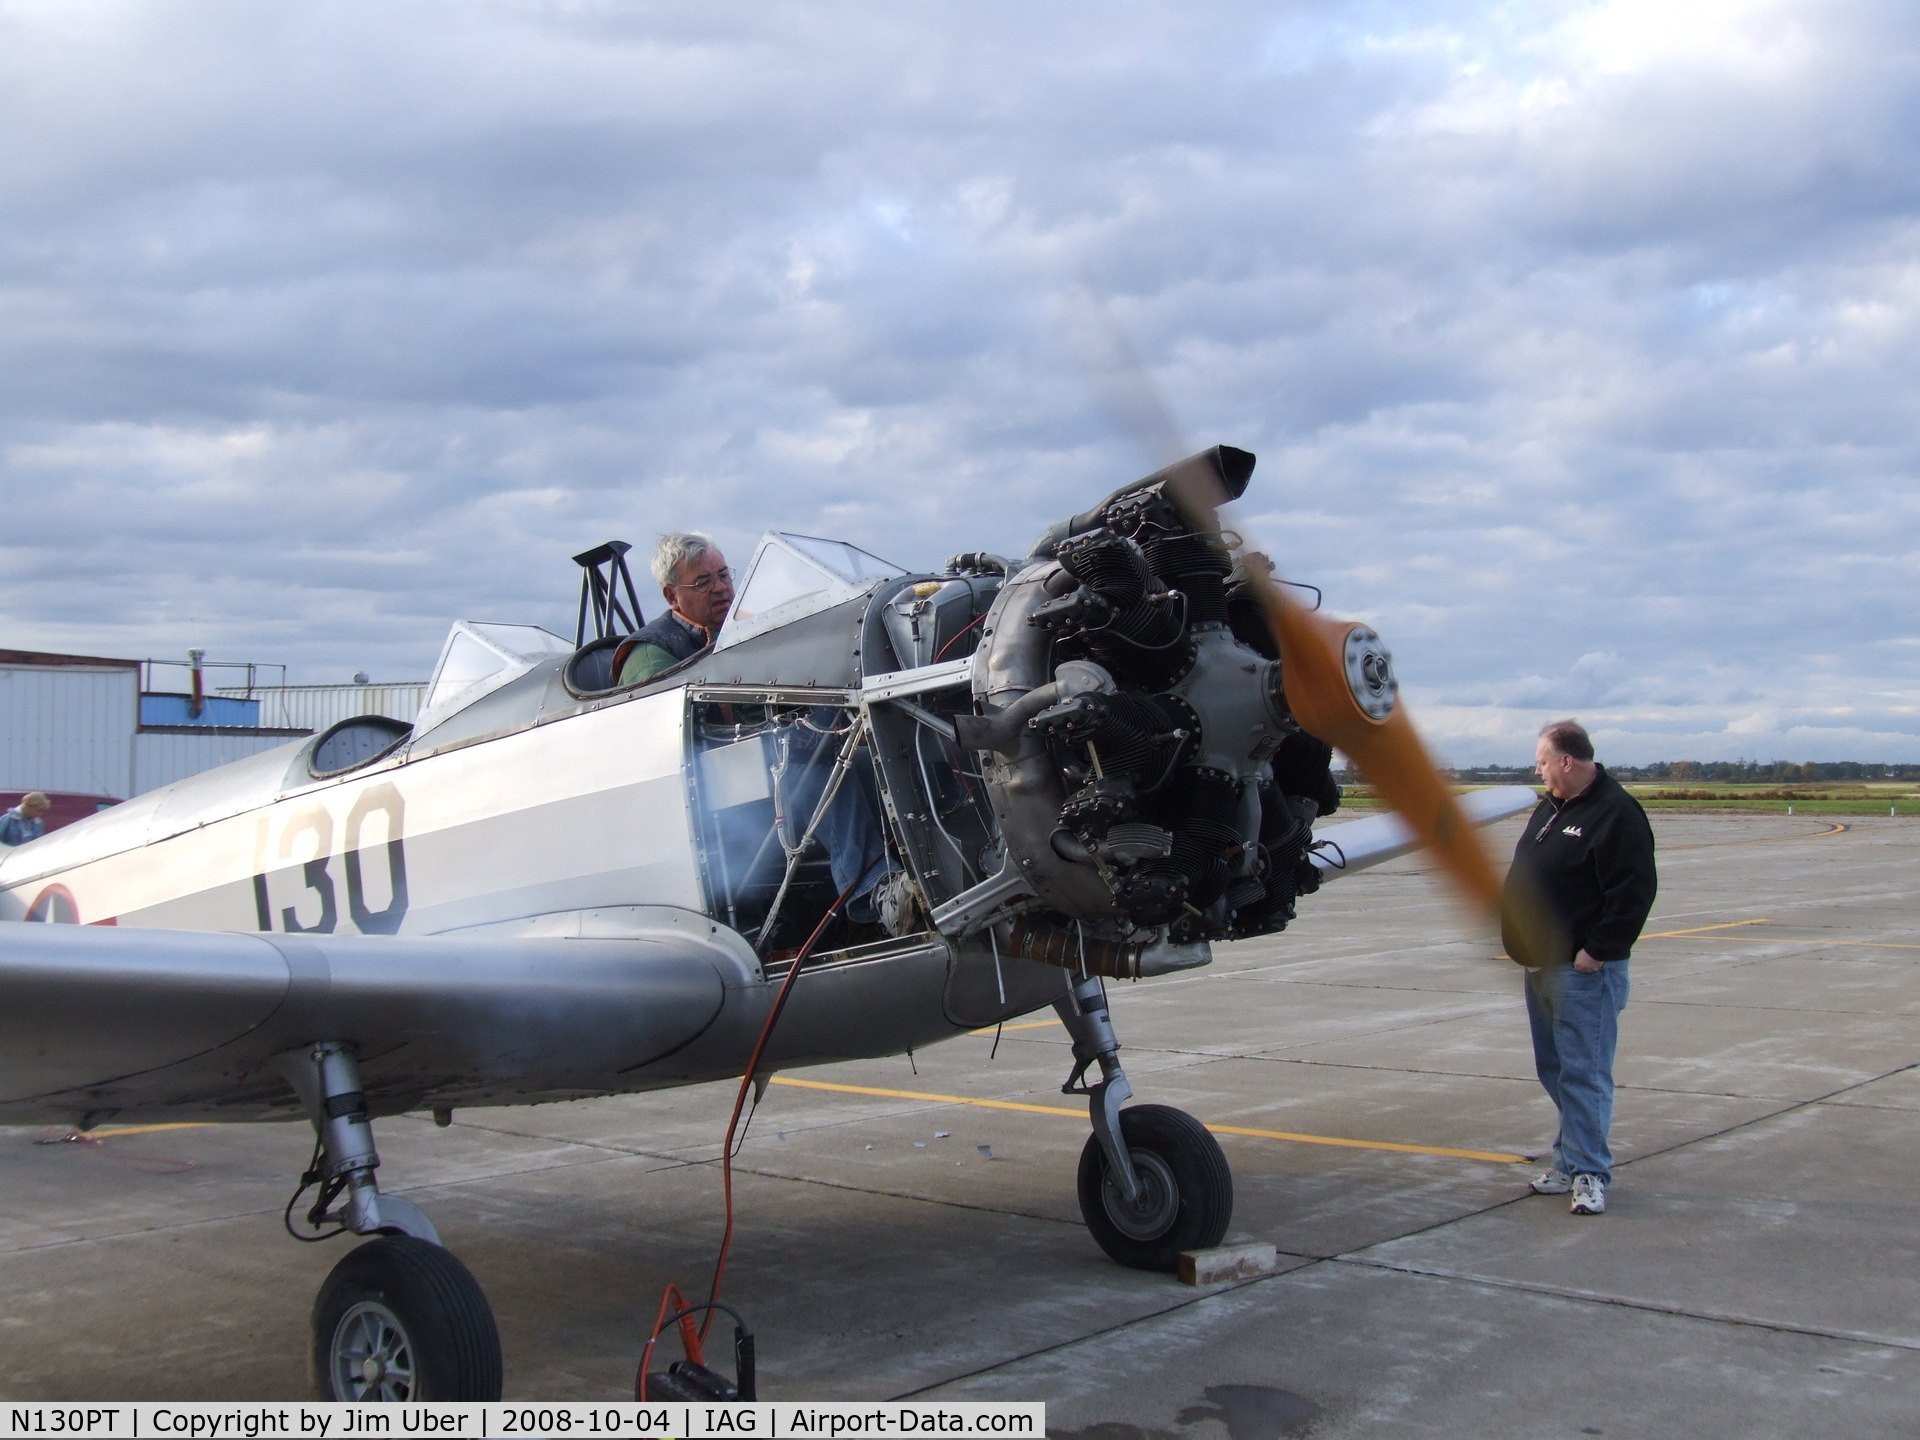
pixel 1145 808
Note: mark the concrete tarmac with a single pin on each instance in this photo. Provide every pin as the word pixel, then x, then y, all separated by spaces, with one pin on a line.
pixel 1755 1274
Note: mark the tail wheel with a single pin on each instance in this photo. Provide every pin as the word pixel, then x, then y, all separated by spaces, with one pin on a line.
pixel 400 1319
pixel 1186 1190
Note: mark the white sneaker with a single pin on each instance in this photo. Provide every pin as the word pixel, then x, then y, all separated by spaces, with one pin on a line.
pixel 1552 1182
pixel 896 903
pixel 1589 1195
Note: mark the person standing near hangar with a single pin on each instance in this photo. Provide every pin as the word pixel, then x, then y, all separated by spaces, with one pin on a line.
pixel 1588 853
pixel 23 823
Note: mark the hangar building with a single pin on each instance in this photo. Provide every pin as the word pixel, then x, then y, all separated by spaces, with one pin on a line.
pixel 91 730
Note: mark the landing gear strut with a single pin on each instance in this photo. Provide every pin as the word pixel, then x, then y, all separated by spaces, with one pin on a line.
pixel 399 1318
pixel 1152 1179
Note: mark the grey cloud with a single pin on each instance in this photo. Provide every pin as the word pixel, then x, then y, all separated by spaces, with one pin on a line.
pixel 326 325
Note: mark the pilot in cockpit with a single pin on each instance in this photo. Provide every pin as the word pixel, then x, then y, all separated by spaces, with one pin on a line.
pixel 698 586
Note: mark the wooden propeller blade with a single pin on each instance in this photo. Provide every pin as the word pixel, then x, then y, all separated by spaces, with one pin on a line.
pixel 1314 655
pixel 1324 673
pixel 1338 683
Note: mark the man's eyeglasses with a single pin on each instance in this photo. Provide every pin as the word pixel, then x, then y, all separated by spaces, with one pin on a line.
pixel 704 583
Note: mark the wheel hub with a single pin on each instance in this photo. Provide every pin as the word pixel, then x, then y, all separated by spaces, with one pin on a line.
pixel 1157 1206
pixel 372 1355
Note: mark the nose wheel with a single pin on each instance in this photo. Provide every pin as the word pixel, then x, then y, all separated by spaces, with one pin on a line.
pixel 1183 1196
pixel 400 1319
pixel 1152 1179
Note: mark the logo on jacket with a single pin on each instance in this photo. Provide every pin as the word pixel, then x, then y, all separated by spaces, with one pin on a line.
pixel 1575 831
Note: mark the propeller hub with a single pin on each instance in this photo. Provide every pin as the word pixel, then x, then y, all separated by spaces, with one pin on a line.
pixel 1370 673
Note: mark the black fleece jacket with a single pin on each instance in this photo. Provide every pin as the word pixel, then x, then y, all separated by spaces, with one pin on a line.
pixel 1591 857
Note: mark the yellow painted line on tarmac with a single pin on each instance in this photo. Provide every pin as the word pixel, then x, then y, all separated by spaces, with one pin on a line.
pixel 120 1130
pixel 1028 1025
pixel 1699 930
pixel 1497 1157
pixel 922 1095
pixel 1734 924
pixel 1702 929
pixel 1834 829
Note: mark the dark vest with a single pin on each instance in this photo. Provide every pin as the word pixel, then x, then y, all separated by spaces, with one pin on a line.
pixel 673 635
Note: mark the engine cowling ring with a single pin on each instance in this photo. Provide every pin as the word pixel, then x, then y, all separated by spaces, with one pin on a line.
pixel 1024 784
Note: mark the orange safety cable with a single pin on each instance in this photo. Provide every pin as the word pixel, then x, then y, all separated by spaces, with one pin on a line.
pixel 746 1083
pixel 690 1337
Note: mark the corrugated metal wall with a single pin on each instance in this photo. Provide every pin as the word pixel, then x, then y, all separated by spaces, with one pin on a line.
pixel 73 728
pixel 68 727
pixel 315 707
pixel 160 758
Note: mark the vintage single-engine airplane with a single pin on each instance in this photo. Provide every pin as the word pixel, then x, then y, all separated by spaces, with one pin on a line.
pixel 1087 764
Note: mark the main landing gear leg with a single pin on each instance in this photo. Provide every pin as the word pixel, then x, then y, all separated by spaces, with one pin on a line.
pixel 1152 1182
pixel 400 1318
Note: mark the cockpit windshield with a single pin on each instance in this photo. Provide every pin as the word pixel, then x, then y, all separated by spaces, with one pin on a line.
pixel 478 659
pixel 791 576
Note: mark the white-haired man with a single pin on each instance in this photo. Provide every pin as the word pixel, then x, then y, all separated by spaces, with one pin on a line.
pixel 698 586
pixel 1587 852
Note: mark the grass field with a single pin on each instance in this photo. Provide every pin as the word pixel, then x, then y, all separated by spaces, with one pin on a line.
pixel 1899 797
pixel 1807 798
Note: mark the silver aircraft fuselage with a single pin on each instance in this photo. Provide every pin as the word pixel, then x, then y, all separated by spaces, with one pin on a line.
pixel 587 811
pixel 551 887
pixel 546 854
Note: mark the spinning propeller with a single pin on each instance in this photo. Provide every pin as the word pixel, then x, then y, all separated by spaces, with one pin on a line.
pixel 1339 684
pixel 1337 675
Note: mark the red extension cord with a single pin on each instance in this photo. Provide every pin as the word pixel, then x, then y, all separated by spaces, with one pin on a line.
pixel 673 1305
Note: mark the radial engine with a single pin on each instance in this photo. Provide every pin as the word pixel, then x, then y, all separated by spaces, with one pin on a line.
pixel 1140 757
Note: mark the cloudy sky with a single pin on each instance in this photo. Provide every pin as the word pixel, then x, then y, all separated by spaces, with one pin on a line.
pixel 1577 340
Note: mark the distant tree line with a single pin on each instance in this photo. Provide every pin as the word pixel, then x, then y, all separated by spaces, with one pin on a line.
pixel 1755 772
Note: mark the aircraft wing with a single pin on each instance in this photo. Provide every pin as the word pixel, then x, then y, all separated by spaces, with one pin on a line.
pixel 98 1022
pixel 1361 844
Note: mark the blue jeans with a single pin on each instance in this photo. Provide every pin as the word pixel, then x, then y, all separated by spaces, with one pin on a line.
pixel 850 831
pixel 1576 1025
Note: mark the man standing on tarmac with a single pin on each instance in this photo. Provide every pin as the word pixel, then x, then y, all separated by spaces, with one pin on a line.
pixel 1588 851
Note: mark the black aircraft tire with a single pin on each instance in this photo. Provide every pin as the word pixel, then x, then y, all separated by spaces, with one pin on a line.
pixel 402 1319
pixel 1189 1199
